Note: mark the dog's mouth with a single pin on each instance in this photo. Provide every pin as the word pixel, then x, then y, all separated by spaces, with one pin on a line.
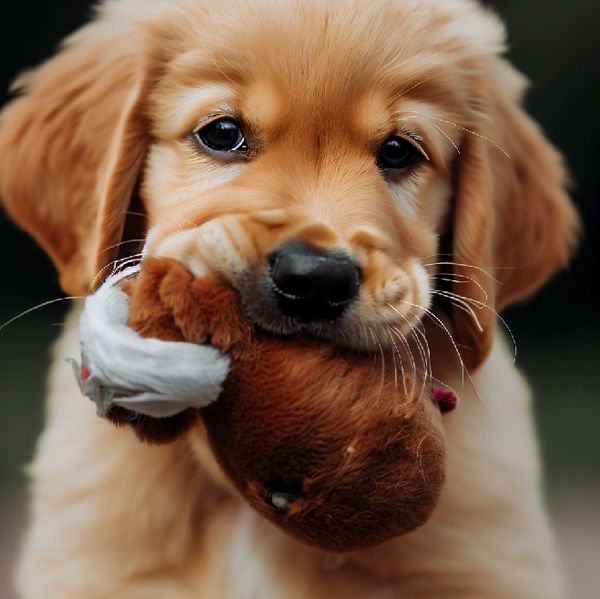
pixel 270 310
pixel 297 288
pixel 353 324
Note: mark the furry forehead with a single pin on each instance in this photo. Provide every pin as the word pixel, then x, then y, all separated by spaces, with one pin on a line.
pixel 310 52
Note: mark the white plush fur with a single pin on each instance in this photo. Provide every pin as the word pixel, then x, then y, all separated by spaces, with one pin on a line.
pixel 149 376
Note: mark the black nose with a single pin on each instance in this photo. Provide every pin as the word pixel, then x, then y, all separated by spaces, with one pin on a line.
pixel 311 284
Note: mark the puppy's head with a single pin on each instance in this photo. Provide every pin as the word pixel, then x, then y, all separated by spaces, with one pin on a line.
pixel 342 164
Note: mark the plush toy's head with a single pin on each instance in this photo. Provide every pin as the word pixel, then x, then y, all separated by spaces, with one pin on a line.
pixel 314 438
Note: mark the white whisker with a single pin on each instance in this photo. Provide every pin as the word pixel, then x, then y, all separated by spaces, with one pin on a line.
pixel 37 307
pixel 394 364
pixel 479 268
pixel 400 336
pixel 116 245
pixel 464 369
pixel 424 354
pixel 120 263
pixel 482 305
pixel 381 353
pixel 412 87
pixel 474 133
pixel 439 129
pixel 453 278
pixel 462 305
pixel 397 351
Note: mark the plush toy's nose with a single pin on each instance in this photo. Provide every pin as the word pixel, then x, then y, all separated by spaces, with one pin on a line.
pixel 281 495
pixel 311 284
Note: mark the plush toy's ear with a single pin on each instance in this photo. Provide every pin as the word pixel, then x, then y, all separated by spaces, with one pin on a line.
pixel 72 147
pixel 514 225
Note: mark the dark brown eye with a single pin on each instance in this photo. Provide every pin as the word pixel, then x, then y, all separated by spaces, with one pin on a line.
pixel 222 135
pixel 397 155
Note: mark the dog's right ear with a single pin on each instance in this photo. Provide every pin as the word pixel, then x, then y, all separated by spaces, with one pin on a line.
pixel 515 225
pixel 72 146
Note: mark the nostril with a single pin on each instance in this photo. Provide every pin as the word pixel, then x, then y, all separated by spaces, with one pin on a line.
pixel 281 495
pixel 297 271
pixel 296 286
pixel 344 288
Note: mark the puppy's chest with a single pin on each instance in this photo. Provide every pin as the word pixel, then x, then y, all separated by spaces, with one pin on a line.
pixel 248 558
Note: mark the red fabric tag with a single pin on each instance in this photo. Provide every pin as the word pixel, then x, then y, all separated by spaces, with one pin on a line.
pixel 445 399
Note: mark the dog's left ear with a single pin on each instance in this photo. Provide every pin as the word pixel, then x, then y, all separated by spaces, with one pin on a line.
pixel 72 148
pixel 514 224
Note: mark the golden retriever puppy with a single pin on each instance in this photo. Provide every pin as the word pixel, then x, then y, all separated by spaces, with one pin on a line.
pixel 360 171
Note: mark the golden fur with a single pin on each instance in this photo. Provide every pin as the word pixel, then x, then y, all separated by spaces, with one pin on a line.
pixel 319 85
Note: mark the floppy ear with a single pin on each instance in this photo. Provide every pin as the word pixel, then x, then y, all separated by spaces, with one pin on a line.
pixel 72 147
pixel 514 224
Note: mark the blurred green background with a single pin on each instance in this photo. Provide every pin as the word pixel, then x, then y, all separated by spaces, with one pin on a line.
pixel 557 45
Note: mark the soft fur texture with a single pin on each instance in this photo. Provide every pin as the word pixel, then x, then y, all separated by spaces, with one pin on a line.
pixel 102 131
pixel 365 457
pixel 146 376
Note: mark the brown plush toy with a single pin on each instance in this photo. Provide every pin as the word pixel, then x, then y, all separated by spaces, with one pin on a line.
pixel 312 436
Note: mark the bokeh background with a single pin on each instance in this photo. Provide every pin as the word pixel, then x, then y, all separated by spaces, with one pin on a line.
pixel 556 44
